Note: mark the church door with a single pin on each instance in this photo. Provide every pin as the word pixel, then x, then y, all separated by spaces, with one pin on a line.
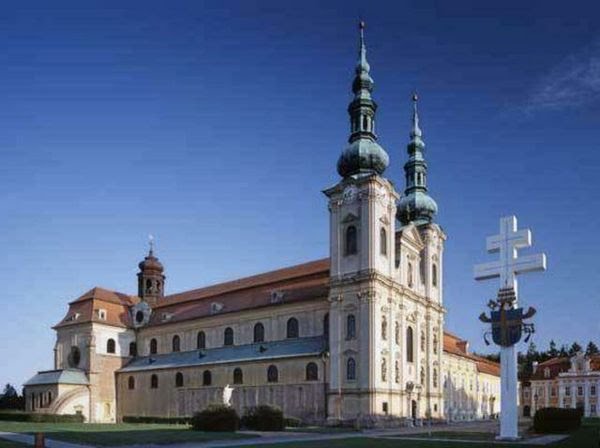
pixel 526 411
pixel 413 411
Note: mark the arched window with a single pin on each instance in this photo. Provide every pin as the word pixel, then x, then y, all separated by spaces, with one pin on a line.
pixel 132 349
pixel 110 346
pixel 409 345
pixel 201 340
pixel 153 346
pixel 259 332
pixel 397 332
pixel 148 285
pixel 383 241
pixel 176 343
pixel 434 275
pixel 179 379
pixel 350 326
pixel 435 378
pixel 435 343
pixel 410 274
pixel 154 382
pixel 312 372
pixel 131 383
pixel 238 376
pixel 422 376
pixel 351 369
pixel 292 328
pixel 365 123
pixel 351 237
pixel 383 369
pixel 384 328
pixel 74 357
pixel 423 341
pixel 228 336
pixel 206 378
pixel 326 326
pixel 272 374
pixel 397 372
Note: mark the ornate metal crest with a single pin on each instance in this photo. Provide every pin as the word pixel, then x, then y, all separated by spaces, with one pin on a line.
pixel 507 322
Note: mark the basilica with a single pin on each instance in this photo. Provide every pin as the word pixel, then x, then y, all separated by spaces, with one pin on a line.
pixel 357 337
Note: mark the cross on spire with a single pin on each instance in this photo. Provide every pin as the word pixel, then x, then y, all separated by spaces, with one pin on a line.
pixel 507 243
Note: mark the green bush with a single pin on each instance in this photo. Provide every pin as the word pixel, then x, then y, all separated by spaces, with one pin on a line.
pixel 292 422
pixel 263 418
pixel 551 420
pixel 216 418
pixel 150 419
pixel 41 418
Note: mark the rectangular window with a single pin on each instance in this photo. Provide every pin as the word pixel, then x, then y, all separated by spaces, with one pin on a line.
pixel 593 391
pixel 553 391
pixel 385 407
pixel 568 391
pixel 580 390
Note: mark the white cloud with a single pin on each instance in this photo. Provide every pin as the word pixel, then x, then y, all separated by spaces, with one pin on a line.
pixel 574 82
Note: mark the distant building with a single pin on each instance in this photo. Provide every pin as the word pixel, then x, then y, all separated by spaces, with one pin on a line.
pixel 358 335
pixel 565 383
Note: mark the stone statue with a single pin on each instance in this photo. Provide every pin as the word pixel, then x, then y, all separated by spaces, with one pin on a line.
pixel 227 392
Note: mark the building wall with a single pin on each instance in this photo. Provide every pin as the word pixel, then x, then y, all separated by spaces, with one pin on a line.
pixel 293 393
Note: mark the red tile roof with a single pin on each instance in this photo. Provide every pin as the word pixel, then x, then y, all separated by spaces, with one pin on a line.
pixel 459 347
pixel 84 309
pixel 306 281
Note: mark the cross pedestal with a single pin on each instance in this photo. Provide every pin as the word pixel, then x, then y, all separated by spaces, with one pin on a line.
pixel 507 243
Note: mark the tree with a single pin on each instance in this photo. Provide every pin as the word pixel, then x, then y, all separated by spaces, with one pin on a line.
pixel 592 349
pixel 9 391
pixel 10 399
pixel 553 351
pixel 564 352
pixel 575 348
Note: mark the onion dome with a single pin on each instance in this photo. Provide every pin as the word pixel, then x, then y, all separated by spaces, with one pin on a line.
pixel 416 205
pixel 363 155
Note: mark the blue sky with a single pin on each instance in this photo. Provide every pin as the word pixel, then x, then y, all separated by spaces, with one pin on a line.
pixel 215 126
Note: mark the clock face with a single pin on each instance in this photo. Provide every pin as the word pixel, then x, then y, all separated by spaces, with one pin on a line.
pixel 350 193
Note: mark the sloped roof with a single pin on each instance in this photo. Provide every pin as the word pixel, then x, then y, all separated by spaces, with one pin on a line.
pixel 66 376
pixel 287 348
pixel 459 347
pixel 306 281
pixel 116 305
pixel 273 278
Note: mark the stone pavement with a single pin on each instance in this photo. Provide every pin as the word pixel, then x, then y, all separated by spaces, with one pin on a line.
pixel 269 438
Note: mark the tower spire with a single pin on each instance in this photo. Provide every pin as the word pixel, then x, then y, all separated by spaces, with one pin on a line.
pixel 416 205
pixel 364 155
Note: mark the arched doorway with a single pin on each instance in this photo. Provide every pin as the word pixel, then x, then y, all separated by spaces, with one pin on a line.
pixel 413 411
pixel 526 411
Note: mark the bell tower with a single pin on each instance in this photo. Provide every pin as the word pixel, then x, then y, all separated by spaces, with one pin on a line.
pixel 362 208
pixel 151 280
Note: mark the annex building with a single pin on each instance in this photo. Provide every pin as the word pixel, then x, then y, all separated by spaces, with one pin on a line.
pixel 358 335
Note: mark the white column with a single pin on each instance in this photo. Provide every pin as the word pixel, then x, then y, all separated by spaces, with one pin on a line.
pixel 586 403
pixel 508 399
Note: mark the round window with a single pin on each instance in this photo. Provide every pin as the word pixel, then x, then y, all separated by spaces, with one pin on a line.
pixel 139 317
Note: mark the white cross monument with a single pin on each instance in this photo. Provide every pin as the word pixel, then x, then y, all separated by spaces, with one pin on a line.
pixel 507 268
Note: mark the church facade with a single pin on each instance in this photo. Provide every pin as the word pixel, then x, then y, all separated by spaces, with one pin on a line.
pixel 357 336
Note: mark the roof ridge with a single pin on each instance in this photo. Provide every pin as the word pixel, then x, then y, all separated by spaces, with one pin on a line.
pixel 252 281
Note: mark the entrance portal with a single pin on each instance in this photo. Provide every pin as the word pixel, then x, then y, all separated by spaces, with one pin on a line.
pixel 413 411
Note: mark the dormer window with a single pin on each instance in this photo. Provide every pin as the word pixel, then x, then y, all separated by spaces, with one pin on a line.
pixel 101 314
pixel 216 307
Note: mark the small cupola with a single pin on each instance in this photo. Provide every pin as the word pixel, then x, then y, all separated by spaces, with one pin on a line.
pixel 151 280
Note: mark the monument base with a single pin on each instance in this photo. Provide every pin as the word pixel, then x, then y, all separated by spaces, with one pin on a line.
pixel 508 439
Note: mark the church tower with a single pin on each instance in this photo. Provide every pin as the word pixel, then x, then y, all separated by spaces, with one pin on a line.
pixel 362 209
pixel 151 280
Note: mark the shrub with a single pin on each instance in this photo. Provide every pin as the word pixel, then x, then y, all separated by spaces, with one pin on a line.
pixel 263 418
pixel 216 418
pixel 41 418
pixel 292 422
pixel 150 419
pixel 550 420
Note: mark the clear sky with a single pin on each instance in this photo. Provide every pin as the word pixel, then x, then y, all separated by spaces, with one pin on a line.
pixel 215 126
